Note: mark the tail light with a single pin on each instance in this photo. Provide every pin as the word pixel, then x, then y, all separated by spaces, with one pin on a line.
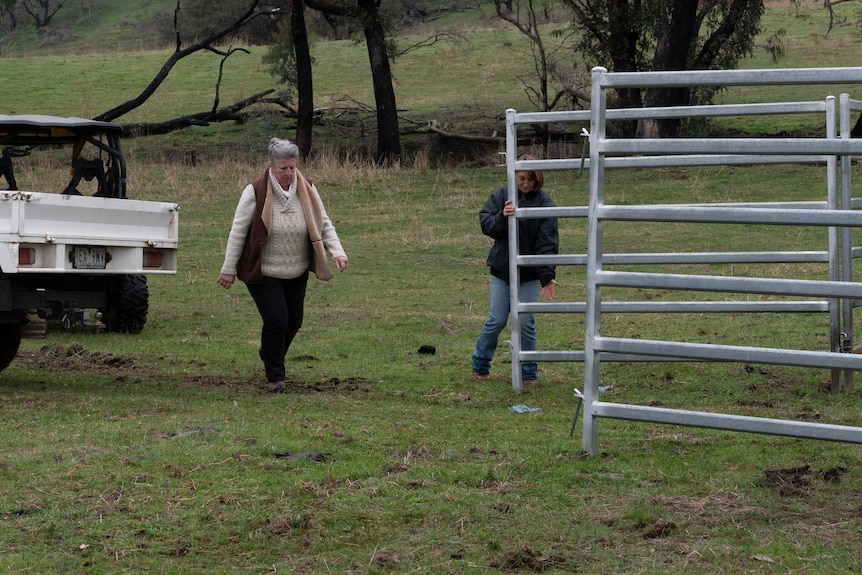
pixel 153 259
pixel 26 256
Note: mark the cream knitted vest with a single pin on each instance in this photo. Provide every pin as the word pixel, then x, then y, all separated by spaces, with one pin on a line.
pixel 288 252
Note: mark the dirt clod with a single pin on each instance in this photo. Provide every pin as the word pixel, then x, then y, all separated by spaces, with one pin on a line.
pixel 798 480
pixel 526 558
pixel 659 528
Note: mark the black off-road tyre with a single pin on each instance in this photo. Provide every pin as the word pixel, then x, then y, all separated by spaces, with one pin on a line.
pixel 127 304
pixel 10 339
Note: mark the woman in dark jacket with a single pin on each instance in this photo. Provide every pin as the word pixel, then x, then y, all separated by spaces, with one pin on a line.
pixel 535 237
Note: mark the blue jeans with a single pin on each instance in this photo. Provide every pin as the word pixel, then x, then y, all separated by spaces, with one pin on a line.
pixel 498 316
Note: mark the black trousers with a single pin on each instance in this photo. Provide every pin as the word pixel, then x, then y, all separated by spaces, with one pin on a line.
pixel 281 304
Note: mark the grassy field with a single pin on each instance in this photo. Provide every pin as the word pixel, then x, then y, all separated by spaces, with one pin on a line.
pixel 162 453
pixel 465 86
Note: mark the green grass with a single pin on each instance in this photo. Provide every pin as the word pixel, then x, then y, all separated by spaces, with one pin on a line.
pixel 157 452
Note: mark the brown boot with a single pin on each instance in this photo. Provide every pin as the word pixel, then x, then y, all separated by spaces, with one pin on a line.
pixel 275 387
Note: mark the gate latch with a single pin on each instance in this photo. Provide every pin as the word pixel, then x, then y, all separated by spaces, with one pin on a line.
pixel 846 343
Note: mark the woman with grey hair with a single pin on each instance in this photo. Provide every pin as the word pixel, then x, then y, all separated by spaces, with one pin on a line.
pixel 280 232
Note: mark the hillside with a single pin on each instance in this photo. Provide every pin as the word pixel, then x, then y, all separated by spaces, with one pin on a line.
pixel 100 26
pixel 107 54
pixel 91 26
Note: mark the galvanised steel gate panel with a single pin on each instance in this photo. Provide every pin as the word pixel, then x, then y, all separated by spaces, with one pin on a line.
pixel 605 153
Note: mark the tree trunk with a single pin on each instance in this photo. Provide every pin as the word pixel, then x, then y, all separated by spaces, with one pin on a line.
pixel 32 7
pixel 7 10
pixel 304 87
pixel 388 135
pixel 676 34
pixel 735 17
pixel 623 46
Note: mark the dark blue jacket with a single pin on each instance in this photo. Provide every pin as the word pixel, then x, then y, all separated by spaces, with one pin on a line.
pixel 535 236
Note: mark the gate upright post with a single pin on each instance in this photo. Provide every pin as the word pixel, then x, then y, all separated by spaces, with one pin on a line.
pixel 514 249
pixel 834 255
pixel 846 237
pixel 594 261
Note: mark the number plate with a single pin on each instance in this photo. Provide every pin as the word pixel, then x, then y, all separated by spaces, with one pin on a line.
pixel 89 258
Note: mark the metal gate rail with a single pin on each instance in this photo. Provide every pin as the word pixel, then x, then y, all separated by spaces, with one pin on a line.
pixel 835 215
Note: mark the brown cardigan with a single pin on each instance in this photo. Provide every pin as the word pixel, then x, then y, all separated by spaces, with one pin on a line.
pixel 248 268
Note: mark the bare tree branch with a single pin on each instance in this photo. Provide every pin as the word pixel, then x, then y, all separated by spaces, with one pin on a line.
pixel 442 36
pixel 229 113
pixel 180 53
pixel 828 4
pixel 435 127
pixel 227 55
pixel 32 7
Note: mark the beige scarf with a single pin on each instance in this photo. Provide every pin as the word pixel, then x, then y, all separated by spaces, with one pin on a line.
pixel 248 267
pixel 314 220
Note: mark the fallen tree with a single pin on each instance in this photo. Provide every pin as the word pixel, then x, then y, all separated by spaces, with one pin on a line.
pixel 226 114
pixel 215 114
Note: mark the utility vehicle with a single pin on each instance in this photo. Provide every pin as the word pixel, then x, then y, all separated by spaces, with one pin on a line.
pixel 75 249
